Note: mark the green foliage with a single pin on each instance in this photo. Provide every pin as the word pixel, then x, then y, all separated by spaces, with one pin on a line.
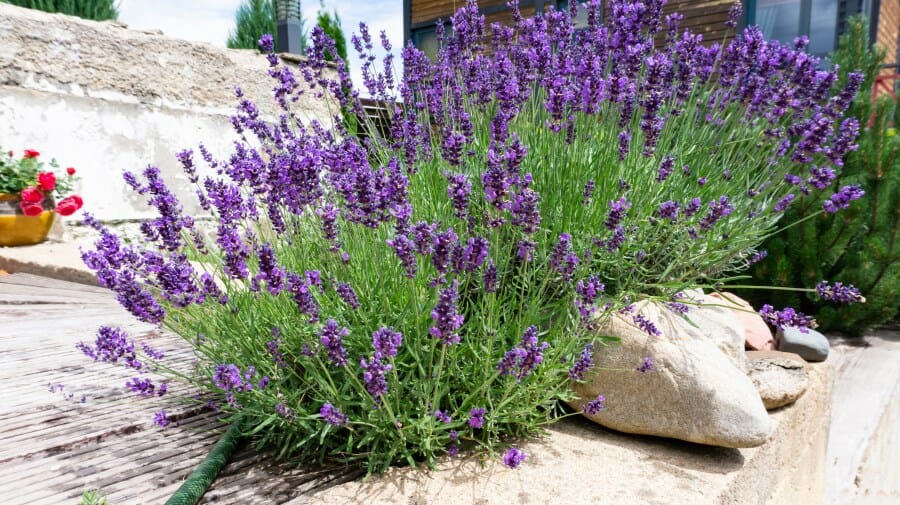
pixel 253 19
pixel 17 174
pixel 493 253
pixel 92 497
pixel 860 245
pixel 98 10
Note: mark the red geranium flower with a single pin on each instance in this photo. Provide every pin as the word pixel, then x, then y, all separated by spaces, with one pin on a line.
pixel 67 206
pixel 47 181
pixel 31 209
pixel 70 170
pixel 31 195
pixel 31 153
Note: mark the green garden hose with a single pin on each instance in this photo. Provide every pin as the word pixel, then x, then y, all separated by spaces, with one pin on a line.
pixel 203 476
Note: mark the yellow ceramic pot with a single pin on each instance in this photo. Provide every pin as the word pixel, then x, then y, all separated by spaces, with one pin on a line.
pixel 18 229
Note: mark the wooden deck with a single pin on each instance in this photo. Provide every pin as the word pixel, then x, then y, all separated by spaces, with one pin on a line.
pixel 53 446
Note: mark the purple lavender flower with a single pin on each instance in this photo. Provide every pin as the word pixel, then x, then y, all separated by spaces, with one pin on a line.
pixel 111 345
pixel 267 43
pixel 346 292
pixel 594 406
pixel 692 207
pixel 524 359
pixel 842 199
pixel 677 307
pixel 405 250
pixel 514 457
pixel 668 210
pixel 374 371
pixel 144 387
pixel 562 259
pixel 227 377
pixel 734 14
pixel 151 352
pixel 443 417
pixel 786 317
pixel 525 210
pixel 331 337
pixel 839 292
pixel 303 297
pixel 584 363
pixel 784 203
pixel 624 140
pixel 470 257
pixel 284 411
pixel 386 341
pixel 490 280
pixel 665 168
pixel 756 258
pixel 332 415
pixel 717 210
pixel 524 249
pixel 588 192
pixel 617 210
pixel 443 244
pixel 447 319
pixel 646 365
pixel 820 177
pixel 476 417
pixel 646 325
pixel 587 291
pixel 458 190
pixel 161 419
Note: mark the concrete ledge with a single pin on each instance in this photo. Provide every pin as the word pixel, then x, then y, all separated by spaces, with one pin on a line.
pixel 57 260
pixel 579 462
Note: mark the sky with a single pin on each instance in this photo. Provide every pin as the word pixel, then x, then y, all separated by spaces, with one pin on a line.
pixel 211 20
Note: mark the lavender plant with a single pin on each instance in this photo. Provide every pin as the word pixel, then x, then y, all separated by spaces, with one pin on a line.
pixel 438 288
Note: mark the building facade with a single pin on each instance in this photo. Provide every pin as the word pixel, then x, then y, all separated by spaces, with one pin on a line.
pixel 822 20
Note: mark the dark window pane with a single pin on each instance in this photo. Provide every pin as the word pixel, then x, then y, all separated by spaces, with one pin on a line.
pixel 779 19
pixel 822 26
pixel 425 39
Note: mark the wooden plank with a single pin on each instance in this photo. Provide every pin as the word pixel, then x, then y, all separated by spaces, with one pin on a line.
pixel 867 378
pixel 52 448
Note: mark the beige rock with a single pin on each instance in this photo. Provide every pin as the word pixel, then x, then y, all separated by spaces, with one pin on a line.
pixel 714 323
pixel 696 392
pixel 757 335
pixel 780 377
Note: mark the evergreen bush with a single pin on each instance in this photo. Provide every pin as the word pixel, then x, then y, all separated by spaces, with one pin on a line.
pixel 859 246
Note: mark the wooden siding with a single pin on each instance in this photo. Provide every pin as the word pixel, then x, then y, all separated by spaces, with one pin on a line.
pixel 889 29
pixel 700 16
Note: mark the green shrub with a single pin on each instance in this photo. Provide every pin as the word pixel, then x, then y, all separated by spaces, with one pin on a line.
pixel 859 246
pixel 393 301
pixel 98 10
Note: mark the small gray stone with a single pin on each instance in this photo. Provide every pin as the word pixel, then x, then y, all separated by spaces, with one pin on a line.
pixel 780 377
pixel 811 346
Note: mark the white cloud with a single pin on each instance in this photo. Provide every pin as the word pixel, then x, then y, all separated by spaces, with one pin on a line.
pixel 211 20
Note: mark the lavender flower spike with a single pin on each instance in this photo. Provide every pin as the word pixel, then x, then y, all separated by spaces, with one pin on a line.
pixel 514 457
pixel 839 292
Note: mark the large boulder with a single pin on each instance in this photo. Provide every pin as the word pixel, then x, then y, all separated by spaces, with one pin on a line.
pixel 780 377
pixel 697 391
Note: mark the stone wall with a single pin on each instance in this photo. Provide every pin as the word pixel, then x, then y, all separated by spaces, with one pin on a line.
pixel 103 98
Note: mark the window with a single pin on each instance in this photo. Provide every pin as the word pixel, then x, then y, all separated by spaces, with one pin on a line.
pixel 425 39
pixel 581 19
pixel 784 20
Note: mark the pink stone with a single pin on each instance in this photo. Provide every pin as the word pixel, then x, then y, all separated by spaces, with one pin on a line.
pixel 757 335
